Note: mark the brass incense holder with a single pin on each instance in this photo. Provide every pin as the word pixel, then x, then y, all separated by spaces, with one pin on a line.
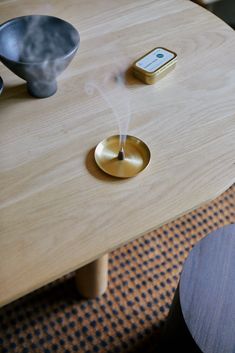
pixel 122 161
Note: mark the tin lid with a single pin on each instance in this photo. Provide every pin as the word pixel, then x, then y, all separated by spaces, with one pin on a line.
pixel 155 62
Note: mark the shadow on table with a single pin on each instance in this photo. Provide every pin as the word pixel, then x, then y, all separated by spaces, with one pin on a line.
pixel 131 80
pixel 16 92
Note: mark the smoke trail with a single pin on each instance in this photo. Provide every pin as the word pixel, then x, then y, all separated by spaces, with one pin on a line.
pixel 114 92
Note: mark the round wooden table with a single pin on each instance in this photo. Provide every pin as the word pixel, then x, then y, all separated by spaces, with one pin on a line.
pixel 59 212
pixel 202 317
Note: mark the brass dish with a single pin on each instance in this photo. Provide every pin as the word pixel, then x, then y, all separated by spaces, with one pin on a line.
pixel 136 156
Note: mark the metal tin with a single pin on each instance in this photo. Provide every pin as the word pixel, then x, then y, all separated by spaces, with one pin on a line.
pixel 151 77
pixel 137 156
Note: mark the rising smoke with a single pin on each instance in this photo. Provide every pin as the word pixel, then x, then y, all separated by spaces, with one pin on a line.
pixel 111 87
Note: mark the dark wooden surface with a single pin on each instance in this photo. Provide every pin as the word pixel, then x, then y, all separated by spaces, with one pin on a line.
pixel 207 292
pixel 175 336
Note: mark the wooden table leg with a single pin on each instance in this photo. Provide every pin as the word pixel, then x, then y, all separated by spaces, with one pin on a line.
pixel 92 279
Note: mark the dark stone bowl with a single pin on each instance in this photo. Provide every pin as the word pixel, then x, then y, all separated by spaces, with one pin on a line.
pixel 38 48
pixel 1 85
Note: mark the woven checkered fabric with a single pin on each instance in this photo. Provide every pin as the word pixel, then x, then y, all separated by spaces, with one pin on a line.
pixel 143 276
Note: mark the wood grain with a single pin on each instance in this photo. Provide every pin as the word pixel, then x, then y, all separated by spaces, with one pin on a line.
pixel 58 211
pixel 207 292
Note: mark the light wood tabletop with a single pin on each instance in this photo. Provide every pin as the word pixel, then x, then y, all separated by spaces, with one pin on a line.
pixel 58 211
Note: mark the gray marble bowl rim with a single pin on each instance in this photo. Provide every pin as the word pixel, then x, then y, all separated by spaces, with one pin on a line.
pixel 64 56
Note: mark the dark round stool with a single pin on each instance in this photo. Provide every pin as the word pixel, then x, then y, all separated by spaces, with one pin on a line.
pixel 202 316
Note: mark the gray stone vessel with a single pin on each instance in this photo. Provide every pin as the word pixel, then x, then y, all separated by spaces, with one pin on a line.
pixel 1 85
pixel 38 48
